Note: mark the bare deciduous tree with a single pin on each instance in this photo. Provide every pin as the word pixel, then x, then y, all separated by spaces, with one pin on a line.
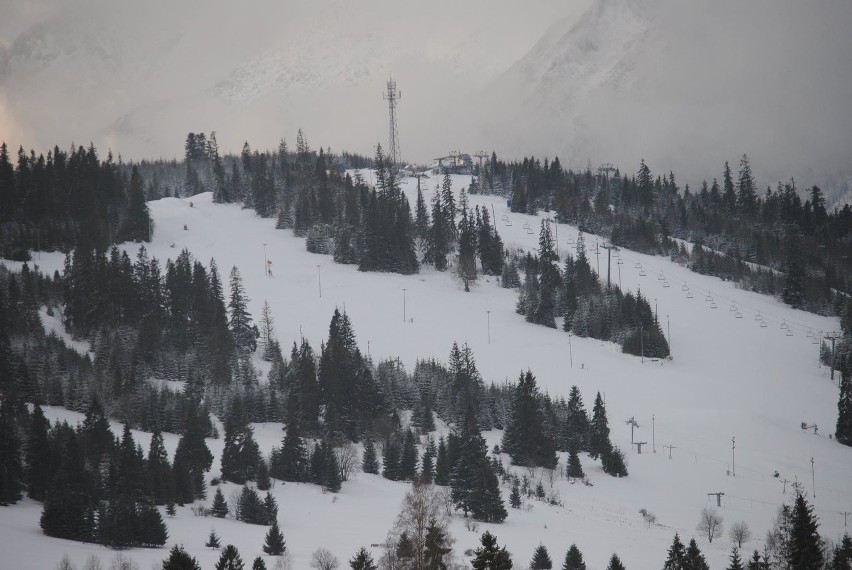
pixel 348 460
pixel 422 507
pixel 93 563
pixel 740 533
pixel 648 516
pixel 65 563
pixel 710 523
pixel 323 559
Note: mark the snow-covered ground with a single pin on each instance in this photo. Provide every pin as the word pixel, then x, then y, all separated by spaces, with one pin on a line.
pixel 729 377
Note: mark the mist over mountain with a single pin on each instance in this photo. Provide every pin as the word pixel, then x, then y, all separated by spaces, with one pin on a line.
pixel 685 86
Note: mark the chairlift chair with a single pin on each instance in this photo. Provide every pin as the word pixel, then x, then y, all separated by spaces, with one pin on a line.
pixel 784 325
pixel 619 262
pixel 810 333
pixel 708 297
pixel 661 277
pixel 739 315
pixel 666 284
pixel 713 304
pixel 637 266
pixel 689 295
pixel 732 308
pixel 763 324
pixel 789 332
pixel 814 340
pixel 642 273
pixel 684 287
pixel 757 317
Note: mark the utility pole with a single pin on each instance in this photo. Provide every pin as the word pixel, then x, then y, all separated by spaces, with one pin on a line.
pixel 719 496
pixel 609 249
pixel 633 424
pixel 833 336
pixel 392 96
pixel 265 259
pixel 845 514
pixel 598 257
pixel 813 479
pixel 642 340
pixel 733 457
pixel 785 481
pixel 403 306
pixel 639 445
pixel 653 434
pixel 319 280
pixel 670 447
pixel 570 350
pixel 489 326
pixel 669 326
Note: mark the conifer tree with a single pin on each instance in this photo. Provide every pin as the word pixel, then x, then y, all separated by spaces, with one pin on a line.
pixel 137 222
pixel 842 558
pixel 39 456
pixel 180 559
pixel 159 469
pixel 258 564
pixel 693 559
pixel 467 250
pixel 241 455
pixel 442 464
pixel 408 459
pixel 270 509
pixel 274 544
pixel 755 563
pixel 729 198
pixel 264 483
pixel 427 462
pixel 615 563
pixel 370 461
pixel 747 193
pixel 515 496
pixel 290 463
pixel 362 560
pixel 805 549
pixel 735 562
pixel 599 444
pixel 192 459
pixel 449 205
pixel 573 559
pixel 437 243
pixel 220 506
pixel 436 547
pixel 421 216
pixel 576 422
pixel 230 559
pixel 490 555
pixel 242 330
pixel 525 439
pixel 541 559
pixel 390 460
pixel 574 469
pixel 676 555
pixel 213 540
pixel 475 488
pixel 251 509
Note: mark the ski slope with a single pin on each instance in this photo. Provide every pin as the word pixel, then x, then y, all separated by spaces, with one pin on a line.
pixel 729 377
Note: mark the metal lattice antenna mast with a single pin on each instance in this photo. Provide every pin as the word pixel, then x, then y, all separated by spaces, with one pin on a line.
pixel 392 96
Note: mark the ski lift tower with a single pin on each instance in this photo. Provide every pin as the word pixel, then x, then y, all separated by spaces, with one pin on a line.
pixel 392 96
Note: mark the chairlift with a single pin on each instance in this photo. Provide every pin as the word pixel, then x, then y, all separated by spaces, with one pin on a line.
pixel 810 333
pixel 666 284
pixel 689 295
pixel 642 273
pixel 784 325
pixel 508 222
pixel 789 332
pixel 763 324
pixel 661 277
pixel 732 308
pixel 529 231
pixel 739 315
pixel 637 266
pixel 814 340
pixel 757 317
pixel 713 304
pixel 619 262
pixel 708 297
pixel 684 287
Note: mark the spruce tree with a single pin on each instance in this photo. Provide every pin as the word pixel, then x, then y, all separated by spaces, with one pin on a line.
pixel 805 549
pixel 676 555
pixel 290 463
pixel 179 559
pixel 220 506
pixel 251 508
pixel 137 222
pixel 541 559
pixel 442 464
pixel 274 544
pixel 735 562
pixel 39 456
pixel 390 460
pixel 449 201
pixel 842 558
pixel 408 459
pixel 159 469
pixel 258 564
pixel 427 462
pixel 490 555
pixel 574 469
pixel 755 563
pixel 693 559
pixel 515 496
pixel 615 563
pixel 213 540
pixel 370 461
pixel 525 439
pixel 242 330
pixel 192 458
pixel 264 483
pixel 573 559
pixel 436 547
pixel 467 250
pixel 270 509
pixel 576 422
pixel 599 444
pixel 362 560
pixel 437 243
pixel 230 559
pixel 475 488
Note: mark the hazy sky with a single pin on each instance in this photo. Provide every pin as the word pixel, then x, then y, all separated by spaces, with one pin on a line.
pixel 684 85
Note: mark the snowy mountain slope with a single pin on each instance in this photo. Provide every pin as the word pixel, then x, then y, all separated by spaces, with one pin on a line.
pixel 729 378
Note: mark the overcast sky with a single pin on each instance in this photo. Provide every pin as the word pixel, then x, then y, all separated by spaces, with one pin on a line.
pixel 685 85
